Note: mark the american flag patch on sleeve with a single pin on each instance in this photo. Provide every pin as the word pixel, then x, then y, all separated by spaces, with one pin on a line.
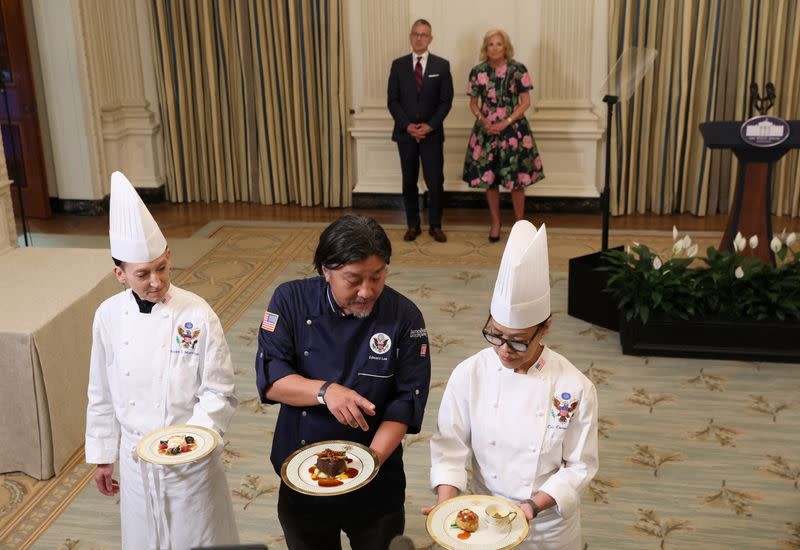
pixel 270 321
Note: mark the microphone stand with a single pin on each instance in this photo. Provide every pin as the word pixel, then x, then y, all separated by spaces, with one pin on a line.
pixel 13 143
pixel 605 197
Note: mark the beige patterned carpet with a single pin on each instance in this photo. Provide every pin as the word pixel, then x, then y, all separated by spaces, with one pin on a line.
pixel 694 453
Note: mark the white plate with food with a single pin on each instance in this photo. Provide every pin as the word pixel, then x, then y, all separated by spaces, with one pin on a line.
pixel 177 445
pixel 331 467
pixel 473 522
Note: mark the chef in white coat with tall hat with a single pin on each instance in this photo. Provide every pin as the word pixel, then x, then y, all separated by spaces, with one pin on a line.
pixel 519 413
pixel 145 375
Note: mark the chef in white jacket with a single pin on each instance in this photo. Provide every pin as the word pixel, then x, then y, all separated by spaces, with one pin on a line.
pixel 522 414
pixel 159 358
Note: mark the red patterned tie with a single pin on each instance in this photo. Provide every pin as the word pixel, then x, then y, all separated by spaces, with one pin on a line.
pixel 418 74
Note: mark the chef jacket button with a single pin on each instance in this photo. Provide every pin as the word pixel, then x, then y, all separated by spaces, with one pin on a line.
pixel 163 346
pixel 416 392
pixel 491 443
pixel 540 413
pixel 308 321
pixel 127 373
pixel 165 314
pixel 534 450
pixel 304 413
pixel 302 442
pixel 131 403
pixel 305 353
pixel 494 405
pixel 155 405
pixel 125 311
pixel 494 476
pixel 125 342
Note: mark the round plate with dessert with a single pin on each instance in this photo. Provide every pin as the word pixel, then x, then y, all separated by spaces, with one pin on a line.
pixel 477 522
pixel 331 467
pixel 177 444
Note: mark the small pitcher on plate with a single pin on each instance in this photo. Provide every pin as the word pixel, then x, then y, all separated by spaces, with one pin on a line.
pixel 499 517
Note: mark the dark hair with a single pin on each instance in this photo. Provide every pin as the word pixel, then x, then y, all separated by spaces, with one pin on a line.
pixel 118 263
pixel 351 239
pixel 421 22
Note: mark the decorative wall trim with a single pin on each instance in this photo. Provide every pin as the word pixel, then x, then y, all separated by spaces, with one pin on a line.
pixel 99 207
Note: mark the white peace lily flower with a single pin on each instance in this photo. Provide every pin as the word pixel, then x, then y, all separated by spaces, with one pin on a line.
pixel 791 239
pixel 739 272
pixel 657 263
pixel 692 251
pixel 754 242
pixel 677 247
pixel 775 244
pixel 687 241
pixel 674 233
pixel 739 242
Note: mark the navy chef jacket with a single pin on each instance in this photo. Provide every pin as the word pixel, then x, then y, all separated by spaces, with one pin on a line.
pixel 385 357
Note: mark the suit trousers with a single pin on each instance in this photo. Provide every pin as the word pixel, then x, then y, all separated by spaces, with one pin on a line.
pixel 430 151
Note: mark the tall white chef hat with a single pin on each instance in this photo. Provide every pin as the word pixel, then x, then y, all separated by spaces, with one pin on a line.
pixel 134 234
pixel 522 292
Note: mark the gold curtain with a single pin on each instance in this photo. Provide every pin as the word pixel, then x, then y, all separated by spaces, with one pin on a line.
pixel 254 100
pixel 709 51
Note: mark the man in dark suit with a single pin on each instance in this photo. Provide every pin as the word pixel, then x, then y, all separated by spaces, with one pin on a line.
pixel 420 96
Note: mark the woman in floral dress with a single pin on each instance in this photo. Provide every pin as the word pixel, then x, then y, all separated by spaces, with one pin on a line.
pixel 501 149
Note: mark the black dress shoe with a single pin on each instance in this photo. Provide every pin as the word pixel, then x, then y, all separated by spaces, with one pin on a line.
pixel 437 234
pixel 412 233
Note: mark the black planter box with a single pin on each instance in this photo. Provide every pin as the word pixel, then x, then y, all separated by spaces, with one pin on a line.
pixel 743 339
pixel 586 299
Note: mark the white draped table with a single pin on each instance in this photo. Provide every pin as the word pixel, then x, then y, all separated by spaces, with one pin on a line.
pixel 47 301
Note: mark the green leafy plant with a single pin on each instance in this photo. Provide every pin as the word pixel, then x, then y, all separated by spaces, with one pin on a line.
pixel 721 284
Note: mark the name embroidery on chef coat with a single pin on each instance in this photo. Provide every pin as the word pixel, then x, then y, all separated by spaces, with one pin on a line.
pixel 562 410
pixel 380 343
pixel 187 338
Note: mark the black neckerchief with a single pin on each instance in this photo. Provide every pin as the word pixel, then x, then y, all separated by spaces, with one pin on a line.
pixel 144 305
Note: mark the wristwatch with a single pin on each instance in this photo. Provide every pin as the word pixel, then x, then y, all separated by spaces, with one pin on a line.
pixel 533 506
pixel 321 393
pixel 510 120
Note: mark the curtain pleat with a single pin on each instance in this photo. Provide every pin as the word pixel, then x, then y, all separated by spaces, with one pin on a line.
pixel 253 100
pixel 709 51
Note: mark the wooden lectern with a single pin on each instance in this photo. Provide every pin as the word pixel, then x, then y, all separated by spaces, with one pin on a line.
pixel 750 213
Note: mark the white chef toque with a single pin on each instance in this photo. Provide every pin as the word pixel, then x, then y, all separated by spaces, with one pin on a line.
pixel 134 234
pixel 521 296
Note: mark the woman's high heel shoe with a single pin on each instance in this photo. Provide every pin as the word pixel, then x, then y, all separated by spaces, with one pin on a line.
pixel 493 239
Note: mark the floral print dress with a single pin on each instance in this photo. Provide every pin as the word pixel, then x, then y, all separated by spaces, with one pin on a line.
pixel 511 158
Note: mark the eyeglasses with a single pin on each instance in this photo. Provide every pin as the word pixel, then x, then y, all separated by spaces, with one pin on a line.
pixel 420 35
pixel 516 345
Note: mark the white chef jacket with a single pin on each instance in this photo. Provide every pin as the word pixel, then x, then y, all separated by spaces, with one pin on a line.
pixel 171 366
pixel 524 433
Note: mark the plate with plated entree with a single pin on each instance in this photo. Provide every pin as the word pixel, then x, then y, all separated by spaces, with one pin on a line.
pixel 332 467
pixel 177 444
pixel 477 522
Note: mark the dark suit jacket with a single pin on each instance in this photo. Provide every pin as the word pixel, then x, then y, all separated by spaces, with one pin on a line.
pixel 431 105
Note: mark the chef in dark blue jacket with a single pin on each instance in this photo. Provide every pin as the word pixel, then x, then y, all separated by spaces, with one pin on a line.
pixel 347 358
